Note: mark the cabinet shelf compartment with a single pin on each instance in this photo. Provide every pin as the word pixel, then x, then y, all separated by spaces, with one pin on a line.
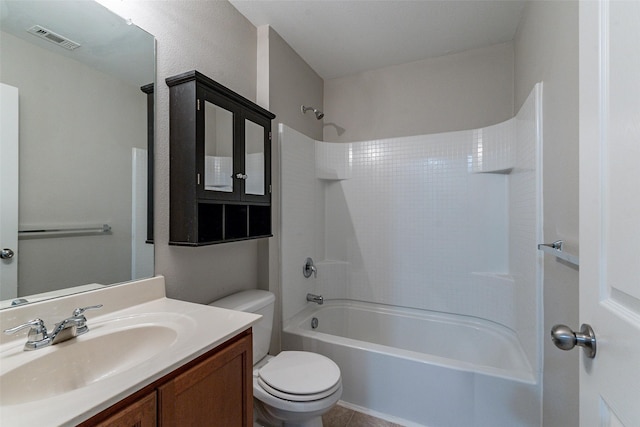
pixel 260 220
pixel 210 222
pixel 235 225
pixel 229 222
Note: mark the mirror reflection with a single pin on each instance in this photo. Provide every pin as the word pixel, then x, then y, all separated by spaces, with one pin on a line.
pixel 254 158
pixel 81 136
pixel 218 148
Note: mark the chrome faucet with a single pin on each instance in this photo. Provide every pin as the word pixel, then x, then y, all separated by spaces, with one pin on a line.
pixel 315 298
pixel 309 268
pixel 70 327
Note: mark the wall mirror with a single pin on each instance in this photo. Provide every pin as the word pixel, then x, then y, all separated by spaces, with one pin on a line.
pixel 71 74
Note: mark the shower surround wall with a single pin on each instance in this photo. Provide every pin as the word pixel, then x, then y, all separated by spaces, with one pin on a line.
pixel 446 222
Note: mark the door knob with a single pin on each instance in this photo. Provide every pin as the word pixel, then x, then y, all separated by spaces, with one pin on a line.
pixel 6 253
pixel 565 339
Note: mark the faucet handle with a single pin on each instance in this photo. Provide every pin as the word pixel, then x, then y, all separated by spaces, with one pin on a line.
pixel 79 311
pixel 38 331
pixel 308 268
pixel 81 321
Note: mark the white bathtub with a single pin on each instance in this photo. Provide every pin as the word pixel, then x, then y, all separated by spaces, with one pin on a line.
pixel 422 367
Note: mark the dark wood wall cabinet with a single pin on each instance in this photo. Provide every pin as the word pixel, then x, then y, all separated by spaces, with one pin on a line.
pixel 220 160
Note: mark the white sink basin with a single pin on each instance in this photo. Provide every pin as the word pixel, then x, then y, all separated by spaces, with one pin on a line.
pixel 137 338
pixel 108 349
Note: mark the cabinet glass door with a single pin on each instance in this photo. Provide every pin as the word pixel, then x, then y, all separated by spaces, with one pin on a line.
pixel 218 148
pixel 254 160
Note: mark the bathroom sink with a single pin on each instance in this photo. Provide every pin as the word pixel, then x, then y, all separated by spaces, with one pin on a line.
pixel 139 337
pixel 105 351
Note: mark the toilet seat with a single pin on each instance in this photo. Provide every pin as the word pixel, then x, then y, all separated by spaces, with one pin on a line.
pixel 298 397
pixel 277 404
pixel 299 376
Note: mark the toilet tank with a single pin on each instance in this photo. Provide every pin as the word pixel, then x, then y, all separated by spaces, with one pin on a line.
pixel 258 302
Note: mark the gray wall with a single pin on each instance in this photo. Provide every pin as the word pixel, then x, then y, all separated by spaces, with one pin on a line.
pixel 285 81
pixel 454 92
pixel 462 91
pixel 215 39
pixel 292 82
pixel 482 87
pixel 546 49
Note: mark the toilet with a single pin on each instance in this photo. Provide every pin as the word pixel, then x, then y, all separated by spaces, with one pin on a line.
pixel 294 388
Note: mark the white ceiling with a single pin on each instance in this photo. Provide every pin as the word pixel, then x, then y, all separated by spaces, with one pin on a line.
pixel 339 38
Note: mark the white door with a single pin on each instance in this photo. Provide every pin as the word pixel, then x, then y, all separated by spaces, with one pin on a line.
pixel 8 192
pixel 610 210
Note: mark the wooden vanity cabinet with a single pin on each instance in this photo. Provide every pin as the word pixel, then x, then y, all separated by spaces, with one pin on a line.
pixel 216 389
pixel 141 413
pixel 220 163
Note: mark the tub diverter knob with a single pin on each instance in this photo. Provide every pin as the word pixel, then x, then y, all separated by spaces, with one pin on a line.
pixel 565 339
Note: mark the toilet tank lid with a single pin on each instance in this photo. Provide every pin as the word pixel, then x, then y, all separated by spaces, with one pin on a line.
pixel 248 301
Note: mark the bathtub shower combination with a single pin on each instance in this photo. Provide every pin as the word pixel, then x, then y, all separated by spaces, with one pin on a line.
pixel 426 258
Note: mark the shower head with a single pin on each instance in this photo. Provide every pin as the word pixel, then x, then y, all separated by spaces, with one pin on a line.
pixel 319 114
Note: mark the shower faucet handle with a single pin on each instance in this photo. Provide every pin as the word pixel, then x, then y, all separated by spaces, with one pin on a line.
pixel 309 268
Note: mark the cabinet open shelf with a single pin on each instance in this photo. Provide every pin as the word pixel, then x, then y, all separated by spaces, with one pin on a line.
pixel 219 223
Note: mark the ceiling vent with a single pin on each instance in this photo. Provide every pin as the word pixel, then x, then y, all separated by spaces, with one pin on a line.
pixel 49 35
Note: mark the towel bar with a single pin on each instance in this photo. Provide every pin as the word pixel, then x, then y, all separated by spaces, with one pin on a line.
pixel 555 249
pixel 53 232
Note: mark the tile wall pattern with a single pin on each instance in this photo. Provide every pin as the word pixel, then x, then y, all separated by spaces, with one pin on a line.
pixel 446 222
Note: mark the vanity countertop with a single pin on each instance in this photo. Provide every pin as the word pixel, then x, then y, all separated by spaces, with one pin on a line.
pixel 193 329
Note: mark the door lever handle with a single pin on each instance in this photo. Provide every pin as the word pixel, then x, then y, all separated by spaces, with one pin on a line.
pixel 565 339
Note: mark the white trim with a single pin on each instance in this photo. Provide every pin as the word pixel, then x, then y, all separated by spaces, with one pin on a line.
pixel 9 170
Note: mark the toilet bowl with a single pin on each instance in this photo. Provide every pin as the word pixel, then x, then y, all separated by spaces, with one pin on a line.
pixel 294 388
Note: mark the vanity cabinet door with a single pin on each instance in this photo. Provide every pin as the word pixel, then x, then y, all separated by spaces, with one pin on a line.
pixel 216 392
pixel 141 413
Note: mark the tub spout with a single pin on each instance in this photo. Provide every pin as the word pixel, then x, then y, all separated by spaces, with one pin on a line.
pixel 315 298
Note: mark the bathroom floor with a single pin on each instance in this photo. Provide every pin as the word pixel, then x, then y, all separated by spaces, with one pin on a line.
pixel 340 416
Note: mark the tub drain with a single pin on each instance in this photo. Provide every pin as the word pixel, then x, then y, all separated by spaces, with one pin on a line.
pixel 314 323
